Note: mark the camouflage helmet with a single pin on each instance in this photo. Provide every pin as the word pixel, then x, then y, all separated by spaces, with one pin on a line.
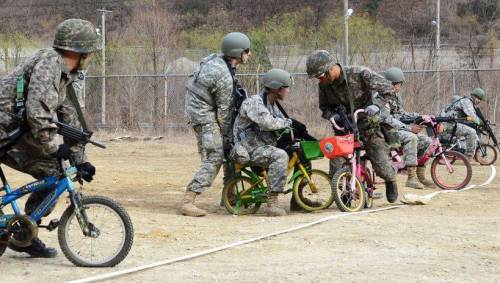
pixel 234 43
pixel 318 62
pixel 276 79
pixel 77 35
pixel 394 75
pixel 479 93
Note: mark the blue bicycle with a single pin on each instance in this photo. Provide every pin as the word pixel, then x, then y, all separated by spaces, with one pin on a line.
pixel 94 231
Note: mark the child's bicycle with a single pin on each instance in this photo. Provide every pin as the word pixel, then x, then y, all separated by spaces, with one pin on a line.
pixel 94 231
pixel 449 170
pixel 311 188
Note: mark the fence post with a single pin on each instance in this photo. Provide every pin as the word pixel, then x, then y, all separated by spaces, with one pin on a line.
pixel 453 82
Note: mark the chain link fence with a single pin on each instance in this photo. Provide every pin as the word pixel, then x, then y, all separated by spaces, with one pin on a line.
pixel 156 102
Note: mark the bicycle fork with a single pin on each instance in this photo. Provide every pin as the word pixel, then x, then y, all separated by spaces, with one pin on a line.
pixel 88 229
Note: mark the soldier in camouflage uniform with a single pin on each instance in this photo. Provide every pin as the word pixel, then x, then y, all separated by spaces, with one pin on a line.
pixel 212 93
pixel 464 108
pixel 354 85
pixel 414 142
pixel 257 130
pixel 47 75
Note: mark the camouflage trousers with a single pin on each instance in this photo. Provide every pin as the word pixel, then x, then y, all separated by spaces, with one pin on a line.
pixel 276 160
pixel 209 140
pixel 414 145
pixel 462 131
pixel 35 165
pixel 378 153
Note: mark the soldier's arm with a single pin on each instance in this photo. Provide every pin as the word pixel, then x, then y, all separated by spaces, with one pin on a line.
pixel 259 114
pixel 326 109
pixel 469 110
pixel 67 114
pixel 376 82
pixel 41 104
pixel 223 92
pixel 385 113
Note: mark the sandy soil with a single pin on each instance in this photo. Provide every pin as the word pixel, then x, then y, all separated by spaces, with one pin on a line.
pixel 455 238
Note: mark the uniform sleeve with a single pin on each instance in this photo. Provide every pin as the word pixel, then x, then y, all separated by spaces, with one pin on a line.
pixel 376 82
pixel 223 93
pixel 469 110
pixel 326 109
pixel 258 113
pixel 41 104
pixel 385 113
pixel 405 114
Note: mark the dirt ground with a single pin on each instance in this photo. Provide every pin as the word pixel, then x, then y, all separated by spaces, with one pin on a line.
pixel 455 238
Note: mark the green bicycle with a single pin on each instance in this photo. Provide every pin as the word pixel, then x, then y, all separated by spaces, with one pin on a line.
pixel 311 188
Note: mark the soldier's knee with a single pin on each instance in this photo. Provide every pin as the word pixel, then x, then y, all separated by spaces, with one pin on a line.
pixel 279 156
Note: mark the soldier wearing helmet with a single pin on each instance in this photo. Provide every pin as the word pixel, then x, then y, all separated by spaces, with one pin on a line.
pixel 213 95
pixel 257 128
pixel 46 80
pixel 351 88
pixel 464 107
pixel 414 142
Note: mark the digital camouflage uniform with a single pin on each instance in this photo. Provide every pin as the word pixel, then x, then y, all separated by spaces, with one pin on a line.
pixel 256 130
pixel 46 79
pixel 209 107
pixel 391 113
pixel 462 108
pixel 363 83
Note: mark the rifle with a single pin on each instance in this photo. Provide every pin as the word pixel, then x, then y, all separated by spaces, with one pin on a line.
pixel 486 127
pixel 75 134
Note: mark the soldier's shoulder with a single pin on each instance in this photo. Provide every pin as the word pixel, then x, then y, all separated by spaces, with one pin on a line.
pixel 50 58
pixel 363 71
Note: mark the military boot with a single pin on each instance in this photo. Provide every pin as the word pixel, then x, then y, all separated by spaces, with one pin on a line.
pixel 187 206
pixel 36 249
pixel 412 181
pixel 272 208
pixel 391 191
pixel 422 179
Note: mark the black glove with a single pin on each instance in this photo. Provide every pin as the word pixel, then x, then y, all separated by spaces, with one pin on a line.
pixel 63 152
pixel 86 171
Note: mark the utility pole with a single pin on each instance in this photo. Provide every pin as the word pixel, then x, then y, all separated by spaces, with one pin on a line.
pixel 103 65
pixel 346 33
pixel 438 46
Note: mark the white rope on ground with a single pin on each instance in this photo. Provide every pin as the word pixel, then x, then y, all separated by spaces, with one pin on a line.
pixel 119 273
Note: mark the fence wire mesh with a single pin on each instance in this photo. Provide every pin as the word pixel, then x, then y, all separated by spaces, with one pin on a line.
pixel 157 102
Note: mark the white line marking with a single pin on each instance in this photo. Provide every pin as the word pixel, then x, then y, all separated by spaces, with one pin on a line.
pixel 119 273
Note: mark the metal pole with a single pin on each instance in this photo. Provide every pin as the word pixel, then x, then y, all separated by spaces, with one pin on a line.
pixel 454 82
pixel 165 97
pixel 438 46
pixel 103 65
pixel 346 33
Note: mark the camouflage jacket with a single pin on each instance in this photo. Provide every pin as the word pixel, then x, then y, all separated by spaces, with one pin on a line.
pixel 391 110
pixel 461 108
pixel 209 97
pixel 256 126
pixel 46 79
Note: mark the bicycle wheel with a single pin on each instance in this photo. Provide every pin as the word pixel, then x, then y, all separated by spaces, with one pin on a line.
pixel 113 239
pixel 486 154
pixel 237 197
pixel 454 177
pixel 346 198
pixel 316 197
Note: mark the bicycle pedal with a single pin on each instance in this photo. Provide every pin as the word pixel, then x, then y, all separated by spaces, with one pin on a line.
pixel 53 224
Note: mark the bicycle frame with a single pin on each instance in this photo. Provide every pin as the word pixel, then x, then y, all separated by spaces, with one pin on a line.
pixel 57 185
